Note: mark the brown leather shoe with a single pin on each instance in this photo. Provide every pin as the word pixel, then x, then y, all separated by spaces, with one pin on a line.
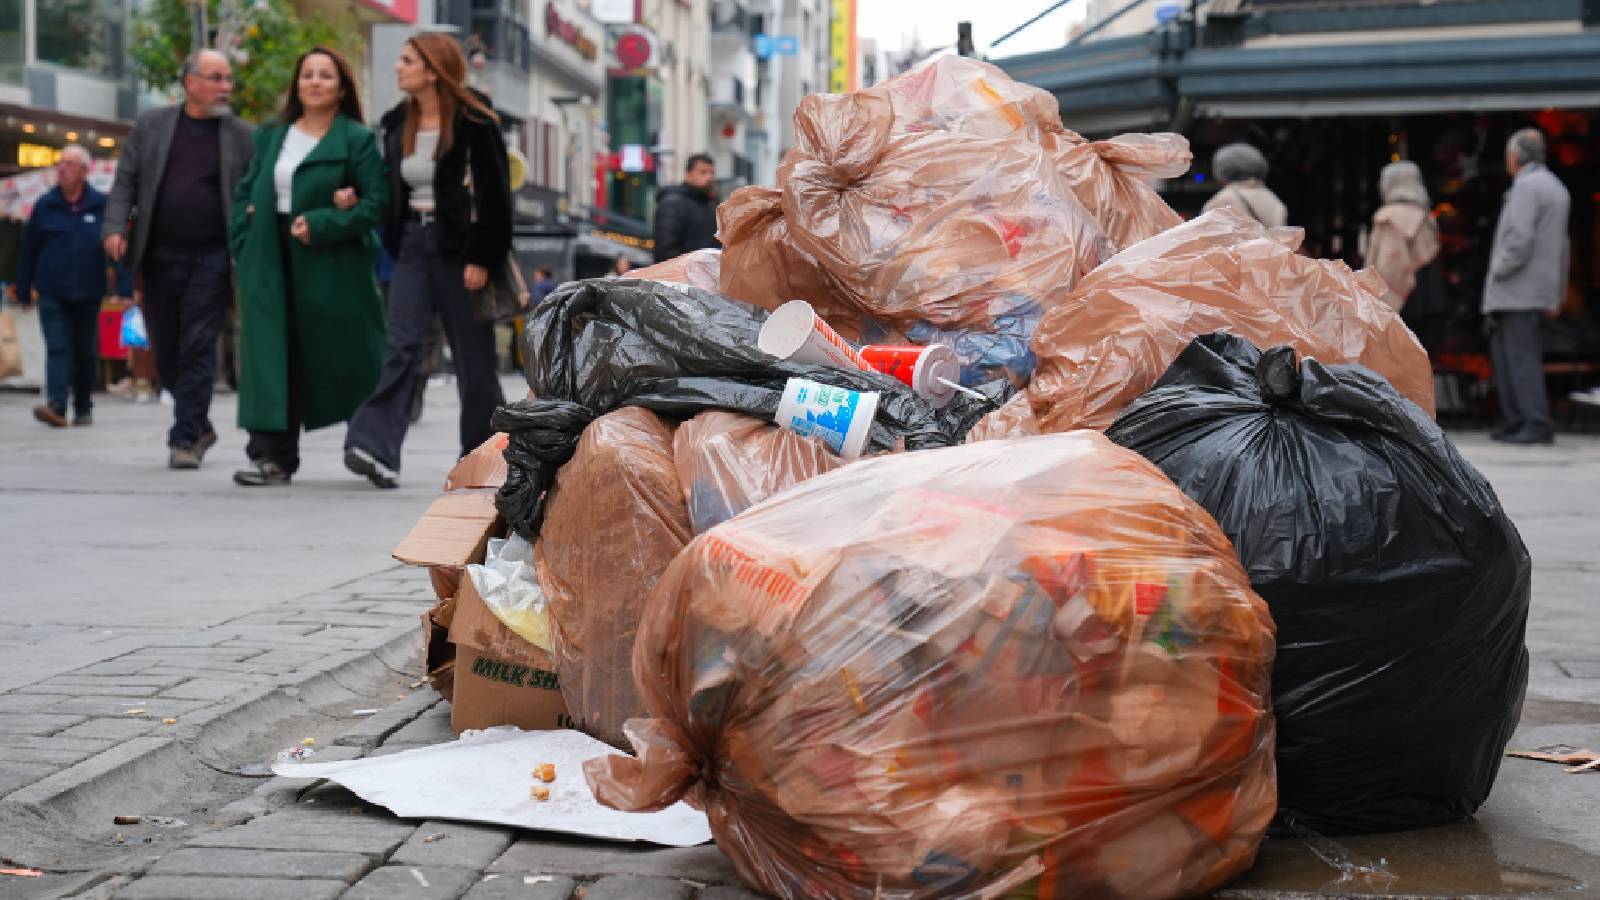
pixel 183 458
pixel 48 416
pixel 204 443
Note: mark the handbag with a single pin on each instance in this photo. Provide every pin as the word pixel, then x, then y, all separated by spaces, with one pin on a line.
pixel 10 346
pixel 505 294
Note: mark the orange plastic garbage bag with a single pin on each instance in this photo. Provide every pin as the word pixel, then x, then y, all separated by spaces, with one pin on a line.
pixel 1119 330
pixel 935 227
pixel 697 268
pixel 1112 180
pixel 1028 665
pixel 615 519
pixel 728 463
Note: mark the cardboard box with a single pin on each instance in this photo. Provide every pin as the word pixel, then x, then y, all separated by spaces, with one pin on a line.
pixel 453 532
pixel 484 467
pixel 499 678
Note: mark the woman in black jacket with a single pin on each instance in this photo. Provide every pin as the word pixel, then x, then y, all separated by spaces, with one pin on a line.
pixel 448 224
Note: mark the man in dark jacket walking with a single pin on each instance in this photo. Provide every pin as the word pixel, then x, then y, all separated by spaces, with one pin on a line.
pixel 686 214
pixel 63 261
pixel 167 218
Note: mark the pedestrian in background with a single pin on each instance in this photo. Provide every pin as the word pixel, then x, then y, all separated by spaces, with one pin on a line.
pixel 448 222
pixel 621 266
pixel 167 218
pixel 62 260
pixel 544 284
pixel 686 214
pixel 311 318
pixel 1527 280
pixel 1243 172
pixel 1404 238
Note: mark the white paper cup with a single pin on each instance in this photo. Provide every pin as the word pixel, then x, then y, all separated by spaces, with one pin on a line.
pixel 795 332
pixel 840 417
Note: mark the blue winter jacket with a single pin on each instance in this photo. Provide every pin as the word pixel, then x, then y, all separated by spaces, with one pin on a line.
pixel 61 251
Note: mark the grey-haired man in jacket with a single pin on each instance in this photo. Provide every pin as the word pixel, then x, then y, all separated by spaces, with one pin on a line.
pixel 1527 281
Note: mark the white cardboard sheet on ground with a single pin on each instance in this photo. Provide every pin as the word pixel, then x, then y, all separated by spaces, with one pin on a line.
pixel 485 776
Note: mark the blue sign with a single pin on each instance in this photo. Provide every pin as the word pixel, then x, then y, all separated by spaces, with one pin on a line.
pixel 763 46
pixel 787 45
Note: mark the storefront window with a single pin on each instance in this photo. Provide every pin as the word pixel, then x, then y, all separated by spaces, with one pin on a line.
pixel 82 34
pixel 11 41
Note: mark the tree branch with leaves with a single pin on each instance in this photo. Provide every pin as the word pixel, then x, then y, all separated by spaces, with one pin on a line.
pixel 262 38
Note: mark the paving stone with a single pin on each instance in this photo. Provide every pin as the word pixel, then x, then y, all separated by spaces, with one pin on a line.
pixel 346 867
pixel 108 688
pixel 55 756
pixel 56 742
pixel 241 674
pixel 153 681
pixel 117 729
pixel 201 689
pixel 374 728
pixel 28 703
pixel 633 887
pixel 120 666
pixel 182 887
pixel 412 883
pixel 36 723
pixel 432 727
pixel 704 864
pixel 374 844
pixel 519 887
pixel 723 892
pixel 113 706
pixel 451 844
pixel 1580 668
pixel 14 775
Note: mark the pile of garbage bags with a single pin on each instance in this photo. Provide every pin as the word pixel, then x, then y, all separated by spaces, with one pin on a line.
pixel 1002 654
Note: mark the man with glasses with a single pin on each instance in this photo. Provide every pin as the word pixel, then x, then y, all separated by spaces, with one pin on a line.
pixel 167 219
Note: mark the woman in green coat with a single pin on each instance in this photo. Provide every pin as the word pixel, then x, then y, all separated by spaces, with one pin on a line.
pixel 311 320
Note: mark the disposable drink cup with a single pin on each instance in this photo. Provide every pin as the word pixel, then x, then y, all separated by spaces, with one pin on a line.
pixel 795 332
pixel 919 368
pixel 840 417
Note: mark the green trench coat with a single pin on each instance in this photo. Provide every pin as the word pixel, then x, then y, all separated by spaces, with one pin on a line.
pixel 338 311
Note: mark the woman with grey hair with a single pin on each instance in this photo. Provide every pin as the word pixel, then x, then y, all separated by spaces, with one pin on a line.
pixel 1404 237
pixel 1243 172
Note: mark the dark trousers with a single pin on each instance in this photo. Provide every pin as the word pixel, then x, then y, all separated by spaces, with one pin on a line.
pixel 186 297
pixel 426 284
pixel 72 347
pixel 283 447
pixel 1518 356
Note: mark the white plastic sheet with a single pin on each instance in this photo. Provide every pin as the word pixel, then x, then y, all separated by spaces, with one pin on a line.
pixel 485 776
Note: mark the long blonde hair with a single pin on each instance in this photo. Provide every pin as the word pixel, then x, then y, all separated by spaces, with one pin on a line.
pixel 444 58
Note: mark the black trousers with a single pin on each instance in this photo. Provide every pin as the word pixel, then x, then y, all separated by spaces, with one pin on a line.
pixel 283 447
pixel 1518 356
pixel 426 284
pixel 186 297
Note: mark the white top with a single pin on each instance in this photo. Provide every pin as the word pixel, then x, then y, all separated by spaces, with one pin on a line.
pixel 417 170
pixel 296 146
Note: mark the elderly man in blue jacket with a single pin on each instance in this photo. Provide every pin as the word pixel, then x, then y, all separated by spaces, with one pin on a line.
pixel 63 262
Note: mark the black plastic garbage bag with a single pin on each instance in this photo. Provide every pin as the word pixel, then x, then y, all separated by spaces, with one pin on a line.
pixel 1399 586
pixel 595 346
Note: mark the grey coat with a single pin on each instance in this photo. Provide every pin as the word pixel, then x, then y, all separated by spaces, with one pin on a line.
pixel 144 162
pixel 1528 263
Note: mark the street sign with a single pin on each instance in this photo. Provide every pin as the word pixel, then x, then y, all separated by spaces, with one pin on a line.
pixel 632 158
pixel 762 44
pixel 786 45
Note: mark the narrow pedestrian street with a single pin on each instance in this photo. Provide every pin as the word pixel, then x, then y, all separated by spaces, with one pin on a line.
pixel 173 633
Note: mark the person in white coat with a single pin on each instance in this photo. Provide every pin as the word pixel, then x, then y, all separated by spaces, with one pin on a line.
pixel 1404 237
